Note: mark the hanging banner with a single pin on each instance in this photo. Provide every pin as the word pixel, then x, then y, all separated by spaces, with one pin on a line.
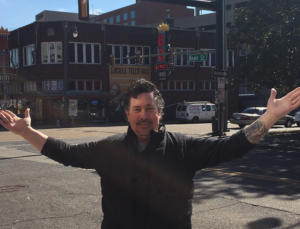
pixel 73 107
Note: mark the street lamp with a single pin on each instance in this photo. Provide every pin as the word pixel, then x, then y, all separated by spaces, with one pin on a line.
pixel 75 34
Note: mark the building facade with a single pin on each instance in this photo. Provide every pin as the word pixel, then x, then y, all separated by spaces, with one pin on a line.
pixel 37 50
pixel 143 12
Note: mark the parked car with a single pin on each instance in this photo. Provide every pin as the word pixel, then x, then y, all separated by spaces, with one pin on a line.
pixel 197 111
pixel 297 118
pixel 249 115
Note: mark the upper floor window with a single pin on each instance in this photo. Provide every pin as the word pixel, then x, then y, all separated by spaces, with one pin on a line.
pixel 125 16
pixel 210 61
pixel 207 85
pixel 52 85
pixel 85 85
pixel 28 55
pixel 84 53
pixel 228 7
pixel 128 50
pixel 230 59
pixel 132 14
pixel 125 23
pixel 52 52
pixel 177 85
pixel 118 18
pixel 132 23
pixel 14 58
pixel 30 86
pixel 13 88
pixel 111 20
pixel 181 60
pixel 105 20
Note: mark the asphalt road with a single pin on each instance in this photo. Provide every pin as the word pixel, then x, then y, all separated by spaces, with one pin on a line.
pixel 261 190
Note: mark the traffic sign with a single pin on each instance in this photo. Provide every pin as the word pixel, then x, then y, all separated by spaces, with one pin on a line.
pixel 196 57
pixel 220 73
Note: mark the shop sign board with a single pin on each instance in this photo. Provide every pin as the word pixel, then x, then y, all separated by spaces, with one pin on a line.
pixel 120 77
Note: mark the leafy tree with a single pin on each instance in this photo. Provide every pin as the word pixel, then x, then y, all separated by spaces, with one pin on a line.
pixel 270 30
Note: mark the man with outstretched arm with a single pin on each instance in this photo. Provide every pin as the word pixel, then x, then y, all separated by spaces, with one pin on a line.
pixel 147 173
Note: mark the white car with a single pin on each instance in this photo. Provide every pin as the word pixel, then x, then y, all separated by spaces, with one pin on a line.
pixel 297 118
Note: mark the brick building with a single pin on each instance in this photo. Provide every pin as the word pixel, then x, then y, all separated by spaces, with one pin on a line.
pixel 37 51
pixel 143 12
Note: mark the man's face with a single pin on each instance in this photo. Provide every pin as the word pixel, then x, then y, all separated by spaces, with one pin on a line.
pixel 143 116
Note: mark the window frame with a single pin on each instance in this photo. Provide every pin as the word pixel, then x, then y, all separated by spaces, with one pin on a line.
pixel 29 60
pixel 182 57
pixel 132 14
pixel 174 82
pixel 211 82
pixel 14 54
pixel 55 53
pixel 232 58
pixel 84 85
pixel 118 18
pixel 125 16
pixel 85 52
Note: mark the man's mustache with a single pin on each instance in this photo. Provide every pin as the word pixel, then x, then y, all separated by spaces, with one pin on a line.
pixel 143 122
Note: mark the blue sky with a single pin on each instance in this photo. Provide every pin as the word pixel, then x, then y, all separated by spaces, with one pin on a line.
pixel 18 13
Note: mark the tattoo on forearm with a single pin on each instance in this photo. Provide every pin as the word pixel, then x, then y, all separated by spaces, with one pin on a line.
pixel 255 132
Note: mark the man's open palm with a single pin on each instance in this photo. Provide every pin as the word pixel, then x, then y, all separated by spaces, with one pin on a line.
pixel 13 123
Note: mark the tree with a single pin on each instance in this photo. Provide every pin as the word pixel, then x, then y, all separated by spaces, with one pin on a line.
pixel 270 31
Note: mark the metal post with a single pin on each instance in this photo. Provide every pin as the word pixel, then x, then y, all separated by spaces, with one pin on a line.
pixel 65 122
pixel 221 61
pixel 4 81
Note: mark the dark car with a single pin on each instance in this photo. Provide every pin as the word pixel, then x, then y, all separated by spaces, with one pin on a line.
pixel 249 115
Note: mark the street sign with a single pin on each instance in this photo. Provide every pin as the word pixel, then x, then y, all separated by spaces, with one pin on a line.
pixel 220 73
pixel 221 82
pixel 197 57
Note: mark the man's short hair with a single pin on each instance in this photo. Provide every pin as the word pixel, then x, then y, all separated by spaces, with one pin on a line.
pixel 143 86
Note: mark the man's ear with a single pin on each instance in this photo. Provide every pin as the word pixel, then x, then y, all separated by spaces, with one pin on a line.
pixel 127 113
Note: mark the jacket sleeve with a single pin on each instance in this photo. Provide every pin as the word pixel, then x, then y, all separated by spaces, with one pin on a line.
pixel 207 152
pixel 81 155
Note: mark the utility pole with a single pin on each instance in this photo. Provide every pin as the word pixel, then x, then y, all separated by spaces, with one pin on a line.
pixel 219 123
pixel 221 64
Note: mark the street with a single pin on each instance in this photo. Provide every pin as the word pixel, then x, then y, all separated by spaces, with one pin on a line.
pixel 261 190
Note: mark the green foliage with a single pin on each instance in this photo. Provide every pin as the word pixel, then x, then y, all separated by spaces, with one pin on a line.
pixel 270 29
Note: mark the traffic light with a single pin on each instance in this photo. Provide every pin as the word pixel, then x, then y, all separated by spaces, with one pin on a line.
pixel 111 59
pixel 171 66
pixel 138 58
pixel 170 54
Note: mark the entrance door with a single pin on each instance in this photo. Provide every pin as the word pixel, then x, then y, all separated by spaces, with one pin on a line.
pixel 48 111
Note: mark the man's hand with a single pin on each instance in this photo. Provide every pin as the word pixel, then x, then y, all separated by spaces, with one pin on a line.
pixel 15 124
pixel 276 109
pixel 22 127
